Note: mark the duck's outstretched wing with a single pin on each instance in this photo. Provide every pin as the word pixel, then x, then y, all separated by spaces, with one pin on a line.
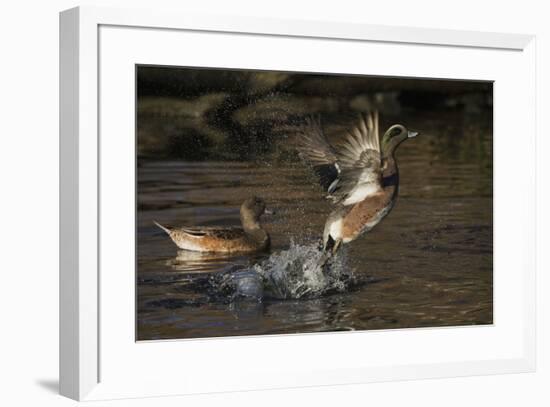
pixel 359 158
pixel 314 149
pixel 351 170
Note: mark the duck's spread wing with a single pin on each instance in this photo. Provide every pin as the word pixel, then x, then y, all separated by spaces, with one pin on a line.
pixel 214 232
pixel 350 171
pixel 359 159
pixel 314 148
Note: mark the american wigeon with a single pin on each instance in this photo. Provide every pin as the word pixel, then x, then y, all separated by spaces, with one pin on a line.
pixel 251 237
pixel 359 174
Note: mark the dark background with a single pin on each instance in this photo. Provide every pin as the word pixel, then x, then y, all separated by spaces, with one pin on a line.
pixel 198 114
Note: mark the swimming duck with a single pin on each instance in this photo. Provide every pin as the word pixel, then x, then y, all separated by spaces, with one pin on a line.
pixel 359 174
pixel 251 237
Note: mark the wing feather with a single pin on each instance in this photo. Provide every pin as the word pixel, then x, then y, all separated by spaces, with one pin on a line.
pixel 312 144
pixel 314 149
pixel 355 162
pixel 215 232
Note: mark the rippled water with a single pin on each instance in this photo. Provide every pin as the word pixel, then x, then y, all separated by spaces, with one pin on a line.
pixel 429 263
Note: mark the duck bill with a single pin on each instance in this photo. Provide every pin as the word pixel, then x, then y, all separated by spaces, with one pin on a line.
pixel 412 134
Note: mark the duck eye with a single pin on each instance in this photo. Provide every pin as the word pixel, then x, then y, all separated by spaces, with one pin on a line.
pixel 395 132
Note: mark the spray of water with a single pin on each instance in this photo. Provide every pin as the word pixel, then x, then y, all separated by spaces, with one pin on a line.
pixel 301 271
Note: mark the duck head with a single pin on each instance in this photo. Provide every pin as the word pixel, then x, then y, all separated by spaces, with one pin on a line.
pixel 394 136
pixel 251 211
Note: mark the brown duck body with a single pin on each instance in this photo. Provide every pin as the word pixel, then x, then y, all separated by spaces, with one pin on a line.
pixel 250 238
pixel 347 223
pixel 228 240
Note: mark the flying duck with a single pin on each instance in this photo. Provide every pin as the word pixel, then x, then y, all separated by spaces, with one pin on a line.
pixel 359 174
pixel 250 238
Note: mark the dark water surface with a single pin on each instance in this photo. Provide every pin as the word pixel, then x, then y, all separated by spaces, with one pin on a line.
pixel 429 263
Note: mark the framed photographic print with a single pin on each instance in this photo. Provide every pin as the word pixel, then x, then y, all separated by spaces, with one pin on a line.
pixel 304 203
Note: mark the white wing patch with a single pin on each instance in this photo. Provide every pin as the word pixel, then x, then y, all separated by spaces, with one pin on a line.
pixel 360 192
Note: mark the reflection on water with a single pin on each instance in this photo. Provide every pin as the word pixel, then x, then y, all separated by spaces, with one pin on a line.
pixel 429 263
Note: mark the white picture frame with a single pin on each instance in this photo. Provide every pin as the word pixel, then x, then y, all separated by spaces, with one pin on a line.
pixel 88 332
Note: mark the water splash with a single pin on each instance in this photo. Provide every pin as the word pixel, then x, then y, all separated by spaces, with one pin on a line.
pixel 301 271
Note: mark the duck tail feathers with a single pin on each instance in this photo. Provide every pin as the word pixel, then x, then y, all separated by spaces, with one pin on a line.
pixel 168 231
